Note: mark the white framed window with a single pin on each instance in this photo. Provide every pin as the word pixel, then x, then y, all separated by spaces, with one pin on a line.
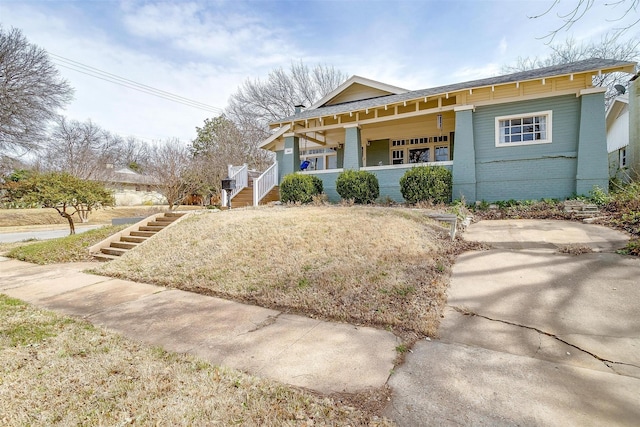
pixel 524 129
pixel 397 157
pixel 623 157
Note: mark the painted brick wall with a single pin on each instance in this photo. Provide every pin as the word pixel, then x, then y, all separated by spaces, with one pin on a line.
pixel 530 171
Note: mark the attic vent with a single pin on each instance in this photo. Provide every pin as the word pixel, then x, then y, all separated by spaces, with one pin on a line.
pixel 298 108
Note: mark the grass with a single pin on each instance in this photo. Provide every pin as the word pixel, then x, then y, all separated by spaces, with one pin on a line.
pixel 30 217
pixel 387 267
pixel 64 249
pixel 56 370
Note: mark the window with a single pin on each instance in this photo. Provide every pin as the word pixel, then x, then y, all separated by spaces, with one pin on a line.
pixel 525 129
pixel 397 157
pixel 420 155
pixel 442 153
pixel 623 157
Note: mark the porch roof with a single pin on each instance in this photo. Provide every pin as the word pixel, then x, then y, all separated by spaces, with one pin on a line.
pixel 585 66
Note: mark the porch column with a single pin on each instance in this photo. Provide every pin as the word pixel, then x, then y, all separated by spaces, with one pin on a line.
pixel 464 156
pixel 352 148
pixel 593 168
pixel 290 155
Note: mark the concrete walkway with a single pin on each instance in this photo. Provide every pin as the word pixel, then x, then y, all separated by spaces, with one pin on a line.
pixel 322 356
pixel 531 336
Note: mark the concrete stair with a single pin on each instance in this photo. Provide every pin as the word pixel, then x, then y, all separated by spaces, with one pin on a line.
pixel 118 244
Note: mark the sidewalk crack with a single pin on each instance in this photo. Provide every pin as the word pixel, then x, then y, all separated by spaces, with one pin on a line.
pixel 606 362
pixel 270 320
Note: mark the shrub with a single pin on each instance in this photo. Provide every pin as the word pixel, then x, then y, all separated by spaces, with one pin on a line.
pixel 360 186
pixel 425 183
pixel 298 188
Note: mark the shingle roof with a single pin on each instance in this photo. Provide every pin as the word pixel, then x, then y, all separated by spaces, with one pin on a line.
pixel 539 73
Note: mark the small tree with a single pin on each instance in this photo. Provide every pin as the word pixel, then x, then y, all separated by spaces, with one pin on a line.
pixel 66 194
pixel 174 171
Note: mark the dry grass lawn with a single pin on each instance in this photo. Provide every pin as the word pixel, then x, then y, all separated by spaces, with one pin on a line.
pixel 387 267
pixel 60 371
pixel 27 217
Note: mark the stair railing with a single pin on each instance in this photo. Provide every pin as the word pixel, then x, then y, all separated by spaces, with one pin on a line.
pixel 241 175
pixel 264 183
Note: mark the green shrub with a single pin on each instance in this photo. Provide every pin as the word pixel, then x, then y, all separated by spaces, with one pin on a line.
pixel 424 183
pixel 360 186
pixel 299 188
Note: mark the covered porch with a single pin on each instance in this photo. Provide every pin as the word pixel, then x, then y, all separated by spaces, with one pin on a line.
pixel 386 148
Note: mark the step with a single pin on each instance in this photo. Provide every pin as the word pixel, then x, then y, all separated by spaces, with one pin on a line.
pixel 113 251
pixel 161 224
pixel 142 233
pixel 133 239
pixel 173 215
pixel 123 245
pixel 104 257
pixel 150 228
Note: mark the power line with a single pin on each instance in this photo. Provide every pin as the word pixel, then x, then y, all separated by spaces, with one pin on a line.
pixel 121 81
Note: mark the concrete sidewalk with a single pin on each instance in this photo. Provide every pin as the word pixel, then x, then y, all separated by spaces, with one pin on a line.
pixel 531 336
pixel 323 356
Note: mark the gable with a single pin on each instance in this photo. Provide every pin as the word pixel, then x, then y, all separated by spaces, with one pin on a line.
pixel 357 92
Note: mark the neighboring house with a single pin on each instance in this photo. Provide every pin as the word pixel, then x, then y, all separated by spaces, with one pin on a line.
pixel 131 188
pixel 529 135
pixel 617 119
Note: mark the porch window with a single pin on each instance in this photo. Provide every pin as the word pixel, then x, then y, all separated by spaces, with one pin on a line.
pixel 442 153
pixel 397 157
pixel 524 129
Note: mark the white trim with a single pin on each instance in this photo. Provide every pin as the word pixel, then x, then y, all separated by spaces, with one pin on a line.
pixel 464 108
pixel 548 125
pixel 592 90
pixel 352 125
pixel 338 170
pixel 289 134
pixel 277 134
pixel 406 166
pixel 360 80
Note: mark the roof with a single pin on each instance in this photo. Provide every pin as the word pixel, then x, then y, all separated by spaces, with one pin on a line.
pixel 355 80
pixel 593 64
pixel 127 176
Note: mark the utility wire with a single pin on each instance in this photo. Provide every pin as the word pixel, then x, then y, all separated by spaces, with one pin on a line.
pixel 121 81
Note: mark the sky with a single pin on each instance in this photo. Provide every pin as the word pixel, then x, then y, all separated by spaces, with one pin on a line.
pixel 203 51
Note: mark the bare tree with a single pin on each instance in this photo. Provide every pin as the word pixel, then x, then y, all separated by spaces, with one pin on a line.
pixel 220 142
pixel 172 167
pixel 83 149
pixel 257 102
pixel 609 47
pixel 134 154
pixel 619 8
pixel 31 92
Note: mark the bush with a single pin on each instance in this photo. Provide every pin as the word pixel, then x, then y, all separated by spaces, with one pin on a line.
pixel 424 183
pixel 298 188
pixel 360 186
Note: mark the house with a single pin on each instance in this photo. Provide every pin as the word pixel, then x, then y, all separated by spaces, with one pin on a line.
pixel 131 188
pixel 623 132
pixel 528 135
pixel 617 121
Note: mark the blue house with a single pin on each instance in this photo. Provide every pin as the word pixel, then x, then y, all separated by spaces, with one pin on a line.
pixel 529 135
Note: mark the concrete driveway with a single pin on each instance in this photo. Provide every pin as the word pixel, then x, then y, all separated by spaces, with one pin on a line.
pixel 531 336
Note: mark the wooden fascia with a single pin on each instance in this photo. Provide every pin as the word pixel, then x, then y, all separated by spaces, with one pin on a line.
pixel 543 80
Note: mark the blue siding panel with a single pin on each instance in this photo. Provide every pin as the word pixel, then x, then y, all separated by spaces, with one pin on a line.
pixel 527 171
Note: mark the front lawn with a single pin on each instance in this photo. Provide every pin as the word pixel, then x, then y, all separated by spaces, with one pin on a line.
pixel 387 267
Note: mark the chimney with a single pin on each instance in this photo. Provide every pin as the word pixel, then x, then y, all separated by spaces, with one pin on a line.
pixel 299 108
